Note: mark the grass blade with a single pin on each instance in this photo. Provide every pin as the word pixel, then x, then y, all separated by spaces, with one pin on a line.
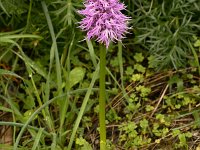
pixel 10 73
pixel 37 139
pixel 91 51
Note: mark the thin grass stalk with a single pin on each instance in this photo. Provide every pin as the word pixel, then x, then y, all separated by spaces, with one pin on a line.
pixel 38 137
pixel 47 90
pixel 51 29
pixel 61 102
pixel 13 69
pixel 6 123
pixel 39 99
pixel 92 53
pixel 120 60
pixel 67 90
pixel 29 15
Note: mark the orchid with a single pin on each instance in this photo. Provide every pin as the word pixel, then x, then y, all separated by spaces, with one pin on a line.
pixel 104 20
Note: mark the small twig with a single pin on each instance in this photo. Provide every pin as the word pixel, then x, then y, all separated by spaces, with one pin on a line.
pixel 198 105
pixel 160 99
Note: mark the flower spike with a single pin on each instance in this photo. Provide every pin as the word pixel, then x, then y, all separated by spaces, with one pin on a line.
pixel 104 20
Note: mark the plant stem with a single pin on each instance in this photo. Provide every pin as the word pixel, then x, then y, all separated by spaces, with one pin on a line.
pixel 102 96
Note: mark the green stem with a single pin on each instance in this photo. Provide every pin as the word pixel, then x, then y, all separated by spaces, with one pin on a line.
pixel 121 69
pixel 102 96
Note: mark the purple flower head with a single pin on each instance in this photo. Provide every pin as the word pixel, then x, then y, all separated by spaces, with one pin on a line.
pixel 104 20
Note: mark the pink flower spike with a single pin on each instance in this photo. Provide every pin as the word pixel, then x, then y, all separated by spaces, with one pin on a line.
pixel 104 20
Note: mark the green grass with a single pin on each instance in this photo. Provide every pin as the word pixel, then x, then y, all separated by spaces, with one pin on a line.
pixel 49 75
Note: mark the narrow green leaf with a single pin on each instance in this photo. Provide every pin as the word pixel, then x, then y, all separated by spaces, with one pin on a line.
pixel 92 53
pixel 37 139
pixel 4 109
pixel 12 105
pixel 7 72
pixel 17 36
pixel 3 8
